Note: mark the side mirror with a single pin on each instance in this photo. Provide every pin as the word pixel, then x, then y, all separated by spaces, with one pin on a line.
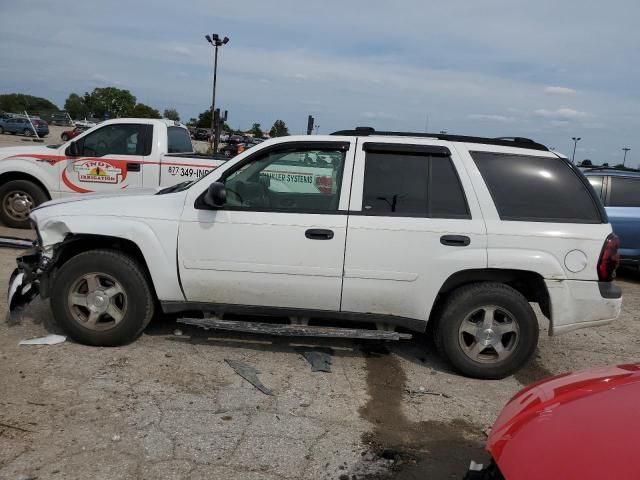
pixel 72 150
pixel 216 195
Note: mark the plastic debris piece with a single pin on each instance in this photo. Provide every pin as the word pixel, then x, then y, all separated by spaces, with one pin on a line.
pixel 475 467
pixel 250 374
pixel 52 339
pixel 115 438
pixel 320 360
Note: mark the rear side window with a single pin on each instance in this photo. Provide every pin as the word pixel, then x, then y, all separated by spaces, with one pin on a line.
pixel 536 189
pixel 406 185
pixel 179 140
pixel 625 192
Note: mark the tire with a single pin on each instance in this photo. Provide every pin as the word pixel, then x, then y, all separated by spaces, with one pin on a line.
pixel 17 199
pixel 134 301
pixel 461 335
pixel 64 137
pixel 26 132
pixel 1 130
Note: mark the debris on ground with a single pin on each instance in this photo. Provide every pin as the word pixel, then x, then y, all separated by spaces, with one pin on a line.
pixel 249 373
pixel 319 359
pixel 115 438
pixel 52 339
pixel 423 391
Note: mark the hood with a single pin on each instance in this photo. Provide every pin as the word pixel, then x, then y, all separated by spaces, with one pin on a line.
pixel 579 425
pixel 93 196
pixel 29 150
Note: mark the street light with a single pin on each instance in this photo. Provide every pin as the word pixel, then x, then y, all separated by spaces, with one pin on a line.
pixel 215 42
pixel 625 149
pixel 575 143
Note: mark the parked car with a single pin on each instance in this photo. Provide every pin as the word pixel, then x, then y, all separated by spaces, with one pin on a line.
pixel 201 134
pixel 69 134
pixel 619 190
pixel 116 155
pixel 232 149
pixel 387 229
pixel 23 126
pixel 60 118
pixel 582 425
pixel 84 123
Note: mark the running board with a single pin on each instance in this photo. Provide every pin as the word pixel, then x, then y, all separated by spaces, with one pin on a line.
pixel 293 330
pixel 15 242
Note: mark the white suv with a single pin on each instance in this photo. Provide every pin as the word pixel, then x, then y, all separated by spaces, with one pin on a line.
pixel 394 230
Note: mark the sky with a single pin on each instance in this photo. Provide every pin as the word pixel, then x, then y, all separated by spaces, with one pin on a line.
pixel 547 70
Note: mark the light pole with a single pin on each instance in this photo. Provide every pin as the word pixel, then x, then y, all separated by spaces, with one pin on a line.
pixel 625 149
pixel 215 42
pixel 575 144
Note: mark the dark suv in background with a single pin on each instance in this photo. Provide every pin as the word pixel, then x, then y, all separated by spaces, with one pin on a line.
pixel 619 190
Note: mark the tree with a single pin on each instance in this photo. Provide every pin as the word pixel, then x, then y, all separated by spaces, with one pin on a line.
pixel 586 163
pixel 192 122
pixel 279 129
pixel 171 114
pixel 18 103
pixel 77 107
pixel 204 119
pixel 256 131
pixel 144 111
pixel 113 102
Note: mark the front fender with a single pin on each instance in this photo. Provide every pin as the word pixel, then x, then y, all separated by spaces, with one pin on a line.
pixel 156 239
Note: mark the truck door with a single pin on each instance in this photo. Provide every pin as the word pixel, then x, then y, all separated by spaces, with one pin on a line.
pixel 279 241
pixel 111 159
pixel 411 226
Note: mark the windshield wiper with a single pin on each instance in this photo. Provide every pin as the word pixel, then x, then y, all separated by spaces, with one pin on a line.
pixel 178 187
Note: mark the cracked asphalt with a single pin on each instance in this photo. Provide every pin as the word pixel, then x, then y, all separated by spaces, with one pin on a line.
pixel 169 407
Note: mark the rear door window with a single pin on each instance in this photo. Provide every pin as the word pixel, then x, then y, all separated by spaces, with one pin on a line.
pixel 536 189
pixel 412 185
pixel 179 140
pixel 625 192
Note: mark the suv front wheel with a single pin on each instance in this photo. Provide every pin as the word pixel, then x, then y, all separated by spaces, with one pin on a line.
pixel 487 330
pixel 102 297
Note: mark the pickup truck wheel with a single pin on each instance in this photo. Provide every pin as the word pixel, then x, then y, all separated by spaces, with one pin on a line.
pixel 102 297
pixel 18 198
pixel 487 330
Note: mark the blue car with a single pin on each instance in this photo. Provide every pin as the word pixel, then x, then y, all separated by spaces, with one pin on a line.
pixel 620 192
pixel 22 126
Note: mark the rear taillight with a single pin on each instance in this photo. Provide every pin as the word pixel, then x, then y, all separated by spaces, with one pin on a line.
pixel 609 259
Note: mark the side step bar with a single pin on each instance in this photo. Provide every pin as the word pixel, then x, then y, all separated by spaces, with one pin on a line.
pixel 15 242
pixel 293 330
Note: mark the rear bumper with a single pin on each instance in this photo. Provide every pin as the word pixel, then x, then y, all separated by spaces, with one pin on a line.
pixel 579 304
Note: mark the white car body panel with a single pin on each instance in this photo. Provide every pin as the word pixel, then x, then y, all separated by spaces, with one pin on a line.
pixel 374 264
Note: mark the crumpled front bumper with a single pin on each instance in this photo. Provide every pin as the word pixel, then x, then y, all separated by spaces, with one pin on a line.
pixel 24 284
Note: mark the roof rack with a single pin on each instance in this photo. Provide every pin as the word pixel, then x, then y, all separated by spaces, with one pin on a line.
pixel 603 167
pixel 520 142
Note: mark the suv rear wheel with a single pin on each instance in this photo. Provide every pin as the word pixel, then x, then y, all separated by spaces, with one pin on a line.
pixel 487 330
pixel 102 297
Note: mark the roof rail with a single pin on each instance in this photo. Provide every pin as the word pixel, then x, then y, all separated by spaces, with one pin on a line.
pixel 603 167
pixel 520 142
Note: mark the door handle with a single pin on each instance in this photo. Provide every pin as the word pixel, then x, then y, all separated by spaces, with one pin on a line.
pixel 133 167
pixel 455 240
pixel 318 234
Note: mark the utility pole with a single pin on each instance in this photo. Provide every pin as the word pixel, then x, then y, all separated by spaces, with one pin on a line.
pixel 575 143
pixel 215 42
pixel 625 149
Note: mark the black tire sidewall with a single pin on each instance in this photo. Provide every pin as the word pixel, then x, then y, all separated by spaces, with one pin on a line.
pixel 470 299
pixel 128 273
pixel 37 194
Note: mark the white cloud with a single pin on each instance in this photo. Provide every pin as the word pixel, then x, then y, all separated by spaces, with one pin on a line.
pixel 560 90
pixel 490 118
pixel 562 114
pixel 180 49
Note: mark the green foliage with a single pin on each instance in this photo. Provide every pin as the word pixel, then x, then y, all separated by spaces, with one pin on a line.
pixel 18 103
pixel 171 114
pixel 279 129
pixel 112 101
pixel 204 119
pixel 192 122
pixel 256 131
pixel 77 107
pixel 144 111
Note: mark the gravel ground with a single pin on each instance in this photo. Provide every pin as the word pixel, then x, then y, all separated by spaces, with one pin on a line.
pixel 168 406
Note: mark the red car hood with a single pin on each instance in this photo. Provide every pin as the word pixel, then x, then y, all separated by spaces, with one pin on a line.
pixel 582 425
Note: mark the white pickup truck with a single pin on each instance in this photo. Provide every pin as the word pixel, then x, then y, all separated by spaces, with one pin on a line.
pixel 117 155
pixel 387 229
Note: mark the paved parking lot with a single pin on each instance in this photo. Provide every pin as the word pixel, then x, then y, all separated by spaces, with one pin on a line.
pixel 168 406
